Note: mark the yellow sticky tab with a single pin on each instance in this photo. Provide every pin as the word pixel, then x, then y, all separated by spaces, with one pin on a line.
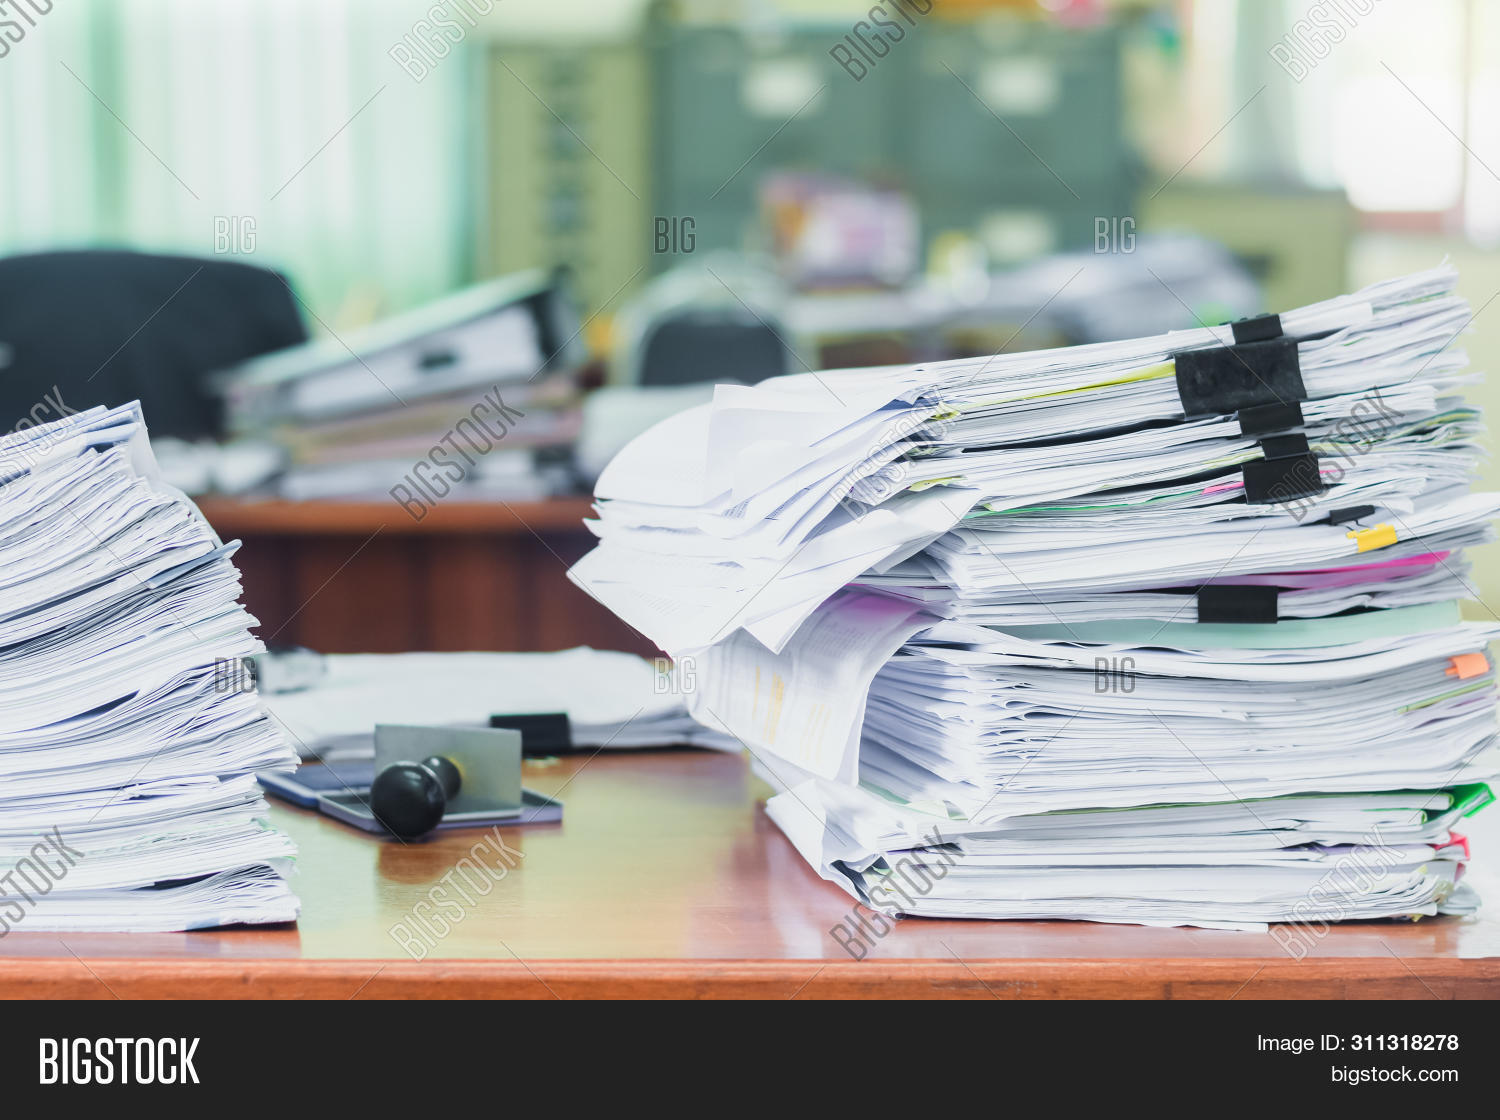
pixel 1378 537
pixel 1467 665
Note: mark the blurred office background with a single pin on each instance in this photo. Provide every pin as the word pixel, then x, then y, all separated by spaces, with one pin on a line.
pixel 707 190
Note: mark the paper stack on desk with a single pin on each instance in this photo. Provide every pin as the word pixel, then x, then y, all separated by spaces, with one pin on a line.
pixel 1163 630
pixel 612 699
pixel 129 736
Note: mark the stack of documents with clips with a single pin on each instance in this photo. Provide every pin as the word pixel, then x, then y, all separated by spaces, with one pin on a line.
pixel 1162 631
pixel 129 734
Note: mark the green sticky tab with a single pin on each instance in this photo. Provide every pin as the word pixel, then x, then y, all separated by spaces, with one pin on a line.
pixel 1472 798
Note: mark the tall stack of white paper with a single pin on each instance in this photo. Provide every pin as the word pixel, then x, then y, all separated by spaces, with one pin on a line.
pixel 1044 635
pixel 129 739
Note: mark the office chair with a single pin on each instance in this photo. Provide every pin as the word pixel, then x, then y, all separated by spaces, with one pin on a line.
pixel 718 321
pixel 91 327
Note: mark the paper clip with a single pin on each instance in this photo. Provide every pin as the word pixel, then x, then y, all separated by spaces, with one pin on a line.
pixel 1378 537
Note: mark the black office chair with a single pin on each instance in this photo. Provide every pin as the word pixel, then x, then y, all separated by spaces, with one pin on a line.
pixel 717 320
pixel 112 326
pixel 712 344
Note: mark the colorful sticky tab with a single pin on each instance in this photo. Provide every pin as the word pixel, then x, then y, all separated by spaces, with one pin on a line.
pixel 1378 537
pixel 1467 665
pixel 1472 798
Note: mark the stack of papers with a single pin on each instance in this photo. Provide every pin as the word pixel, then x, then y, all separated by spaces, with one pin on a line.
pixel 612 700
pixel 483 381
pixel 1163 630
pixel 129 734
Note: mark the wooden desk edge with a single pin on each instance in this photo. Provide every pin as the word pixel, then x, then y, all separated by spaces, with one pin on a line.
pixel 233 517
pixel 1229 978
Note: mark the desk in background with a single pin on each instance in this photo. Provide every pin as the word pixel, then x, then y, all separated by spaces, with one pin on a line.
pixel 363 577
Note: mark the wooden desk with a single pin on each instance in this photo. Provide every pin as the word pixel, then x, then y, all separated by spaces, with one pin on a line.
pixel 363 577
pixel 666 878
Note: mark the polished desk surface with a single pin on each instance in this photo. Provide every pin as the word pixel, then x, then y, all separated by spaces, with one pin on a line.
pixel 666 878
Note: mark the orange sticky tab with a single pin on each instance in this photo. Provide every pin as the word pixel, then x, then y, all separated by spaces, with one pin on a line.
pixel 1378 537
pixel 1467 665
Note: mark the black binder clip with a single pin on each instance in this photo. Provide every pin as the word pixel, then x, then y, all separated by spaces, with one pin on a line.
pixel 1345 516
pixel 1258 370
pixel 1283 415
pixel 542 734
pixel 1288 471
pixel 1258 329
pixel 1237 603
pixel 1258 378
pixel 1266 419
